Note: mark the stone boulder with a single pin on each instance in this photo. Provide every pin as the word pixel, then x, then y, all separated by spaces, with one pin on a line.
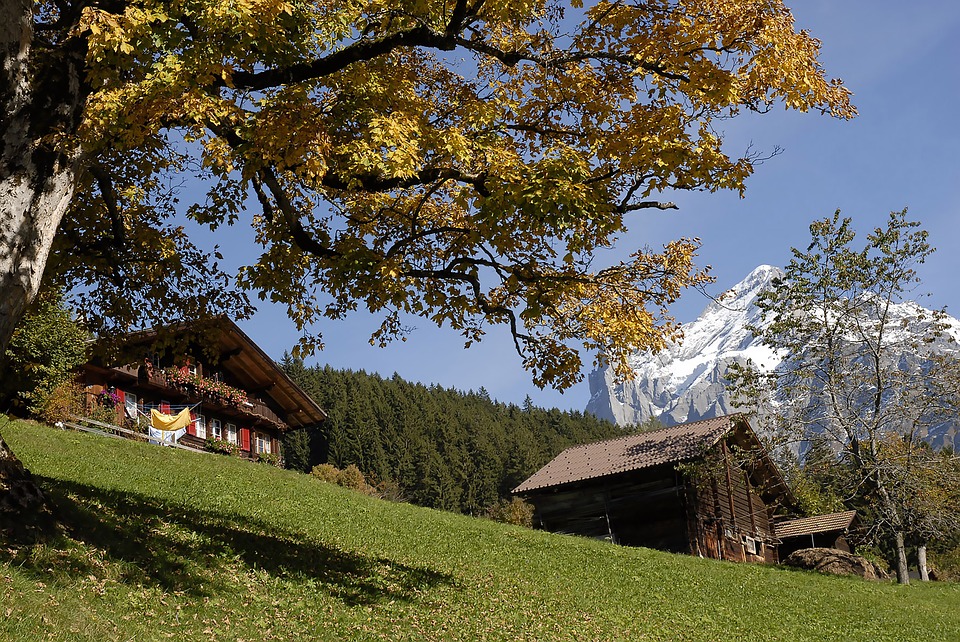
pixel 835 562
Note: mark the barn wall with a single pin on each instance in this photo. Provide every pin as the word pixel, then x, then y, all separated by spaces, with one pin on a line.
pixel 729 518
pixel 644 508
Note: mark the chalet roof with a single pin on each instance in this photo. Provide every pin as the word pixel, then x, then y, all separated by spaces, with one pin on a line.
pixel 633 452
pixel 813 525
pixel 256 370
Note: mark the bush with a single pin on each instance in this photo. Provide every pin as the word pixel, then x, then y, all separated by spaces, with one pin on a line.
pixel 103 412
pixel 273 459
pixel 221 446
pixel 325 473
pixel 62 402
pixel 389 490
pixel 47 345
pixel 351 477
pixel 513 511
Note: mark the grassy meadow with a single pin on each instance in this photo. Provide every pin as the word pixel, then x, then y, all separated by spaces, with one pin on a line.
pixel 166 544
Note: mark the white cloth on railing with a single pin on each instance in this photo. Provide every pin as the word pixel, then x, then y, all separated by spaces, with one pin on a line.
pixel 165 437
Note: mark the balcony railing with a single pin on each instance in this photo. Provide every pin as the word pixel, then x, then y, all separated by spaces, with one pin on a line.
pixel 246 407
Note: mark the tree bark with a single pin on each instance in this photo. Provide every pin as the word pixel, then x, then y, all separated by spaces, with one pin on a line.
pixel 41 103
pixel 903 570
pixel 922 563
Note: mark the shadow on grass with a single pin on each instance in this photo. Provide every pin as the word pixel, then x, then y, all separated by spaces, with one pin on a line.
pixel 180 549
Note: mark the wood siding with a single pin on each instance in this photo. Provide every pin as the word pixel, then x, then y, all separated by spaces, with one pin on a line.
pixel 729 517
pixel 635 509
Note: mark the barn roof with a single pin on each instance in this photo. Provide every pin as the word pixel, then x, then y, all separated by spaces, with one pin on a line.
pixel 813 525
pixel 633 452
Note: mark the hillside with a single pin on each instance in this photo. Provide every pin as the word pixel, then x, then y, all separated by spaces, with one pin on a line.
pixel 174 545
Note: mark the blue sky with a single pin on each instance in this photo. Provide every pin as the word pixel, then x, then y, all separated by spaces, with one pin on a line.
pixel 901 61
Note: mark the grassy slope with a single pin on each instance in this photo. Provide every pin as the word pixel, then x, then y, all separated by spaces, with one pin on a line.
pixel 174 545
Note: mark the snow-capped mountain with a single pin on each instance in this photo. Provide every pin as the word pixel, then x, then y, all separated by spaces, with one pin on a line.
pixel 685 382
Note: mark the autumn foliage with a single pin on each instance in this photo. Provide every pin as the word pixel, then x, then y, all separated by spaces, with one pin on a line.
pixel 467 162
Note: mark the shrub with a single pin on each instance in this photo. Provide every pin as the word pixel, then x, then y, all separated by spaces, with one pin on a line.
pixel 221 446
pixel 326 473
pixel 351 477
pixel 104 412
pixel 389 490
pixel 47 345
pixel 513 511
pixel 273 459
pixel 63 401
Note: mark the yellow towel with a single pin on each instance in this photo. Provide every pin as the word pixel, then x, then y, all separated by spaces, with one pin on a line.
pixel 161 421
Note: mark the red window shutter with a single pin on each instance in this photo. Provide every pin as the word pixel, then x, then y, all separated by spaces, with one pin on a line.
pixel 245 438
pixel 192 428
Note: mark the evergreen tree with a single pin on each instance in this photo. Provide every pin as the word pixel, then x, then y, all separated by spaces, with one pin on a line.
pixel 440 447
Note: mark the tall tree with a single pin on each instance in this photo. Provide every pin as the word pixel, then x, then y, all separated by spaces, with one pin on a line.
pixel 852 375
pixel 461 161
pixel 458 160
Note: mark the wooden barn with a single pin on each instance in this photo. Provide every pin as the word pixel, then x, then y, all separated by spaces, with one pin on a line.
pixel 706 488
pixel 239 399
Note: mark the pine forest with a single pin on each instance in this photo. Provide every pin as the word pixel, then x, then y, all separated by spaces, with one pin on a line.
pixel 431 446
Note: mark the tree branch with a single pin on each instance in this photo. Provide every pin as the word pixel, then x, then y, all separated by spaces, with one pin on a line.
pixel 420 36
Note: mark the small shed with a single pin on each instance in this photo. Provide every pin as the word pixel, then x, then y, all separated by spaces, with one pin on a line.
pixel 819 531
pixel 706 488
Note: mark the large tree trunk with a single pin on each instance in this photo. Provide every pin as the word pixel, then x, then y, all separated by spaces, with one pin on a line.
pixel 42 93
pixel 896 529
pixel 41 102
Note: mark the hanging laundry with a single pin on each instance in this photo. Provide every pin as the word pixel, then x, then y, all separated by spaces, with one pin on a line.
pixel 162 421
pixel 167 429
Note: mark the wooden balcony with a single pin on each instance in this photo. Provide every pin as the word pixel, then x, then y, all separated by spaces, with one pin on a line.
pixel 253 410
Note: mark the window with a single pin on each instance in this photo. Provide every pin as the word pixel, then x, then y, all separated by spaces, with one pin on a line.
pixel 261 443
pixel 130 406
pixel 201 425
pixel 216 429
pixel 232 433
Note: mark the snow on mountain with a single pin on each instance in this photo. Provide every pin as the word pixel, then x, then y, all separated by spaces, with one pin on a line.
pixel 685 382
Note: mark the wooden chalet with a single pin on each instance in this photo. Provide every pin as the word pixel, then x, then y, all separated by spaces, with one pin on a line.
pixel 819 531
pixel 240 400
pixel 706 488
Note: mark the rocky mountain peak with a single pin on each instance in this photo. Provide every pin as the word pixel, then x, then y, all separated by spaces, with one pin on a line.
pixel 686 381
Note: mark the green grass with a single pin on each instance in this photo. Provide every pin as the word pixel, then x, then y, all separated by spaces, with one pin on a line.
pixel 168 544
